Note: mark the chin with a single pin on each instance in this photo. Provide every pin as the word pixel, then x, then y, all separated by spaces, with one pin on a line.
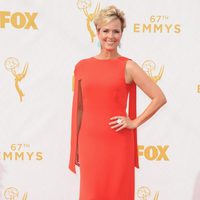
pixel 110 48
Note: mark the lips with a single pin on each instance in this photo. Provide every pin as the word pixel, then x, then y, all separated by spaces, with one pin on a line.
pixel 110 42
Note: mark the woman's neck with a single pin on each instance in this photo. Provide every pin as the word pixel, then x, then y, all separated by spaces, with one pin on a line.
pixel 108 54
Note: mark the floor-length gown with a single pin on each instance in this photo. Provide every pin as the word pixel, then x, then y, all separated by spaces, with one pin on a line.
pixel 107 159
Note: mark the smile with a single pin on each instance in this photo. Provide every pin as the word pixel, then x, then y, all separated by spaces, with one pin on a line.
pixel 108 42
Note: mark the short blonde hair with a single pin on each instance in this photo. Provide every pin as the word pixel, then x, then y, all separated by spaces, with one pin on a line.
pixel 108 14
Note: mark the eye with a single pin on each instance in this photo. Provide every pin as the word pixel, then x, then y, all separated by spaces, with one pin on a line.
pixel 105 31
pixel 116 31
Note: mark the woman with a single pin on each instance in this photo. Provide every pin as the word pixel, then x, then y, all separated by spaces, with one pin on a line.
pixel 104 137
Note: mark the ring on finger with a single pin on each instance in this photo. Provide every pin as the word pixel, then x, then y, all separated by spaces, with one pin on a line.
pixel 119 121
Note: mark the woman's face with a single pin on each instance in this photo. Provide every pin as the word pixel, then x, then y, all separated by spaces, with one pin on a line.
pixel 110 35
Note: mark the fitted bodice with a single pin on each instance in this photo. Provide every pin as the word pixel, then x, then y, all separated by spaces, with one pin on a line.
pixel 103 86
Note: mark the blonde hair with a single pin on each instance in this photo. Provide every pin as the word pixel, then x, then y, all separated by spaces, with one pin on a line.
pixel 108 14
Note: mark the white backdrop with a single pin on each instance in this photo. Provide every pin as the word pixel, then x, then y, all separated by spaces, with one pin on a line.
pixel 40 42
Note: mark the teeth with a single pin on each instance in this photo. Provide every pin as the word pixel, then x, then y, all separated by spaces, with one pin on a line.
pixel 110 42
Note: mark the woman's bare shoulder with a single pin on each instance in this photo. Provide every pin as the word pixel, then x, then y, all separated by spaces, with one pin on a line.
pixel 132 65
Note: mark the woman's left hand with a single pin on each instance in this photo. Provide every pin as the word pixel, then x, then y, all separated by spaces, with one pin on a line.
pixel 122 122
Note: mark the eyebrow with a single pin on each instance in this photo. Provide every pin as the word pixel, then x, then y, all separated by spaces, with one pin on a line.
pixel 109 29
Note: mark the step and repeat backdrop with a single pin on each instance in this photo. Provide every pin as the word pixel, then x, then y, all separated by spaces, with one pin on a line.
pixel 40 43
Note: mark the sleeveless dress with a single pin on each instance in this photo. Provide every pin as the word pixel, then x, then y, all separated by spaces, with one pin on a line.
pixel 107 159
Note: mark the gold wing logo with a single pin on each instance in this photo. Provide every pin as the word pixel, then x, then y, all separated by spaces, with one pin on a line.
pixel 12 193
pixel 144 193
pixel 149 67
pixel 11 64
pixel 84 5
pixel 25 196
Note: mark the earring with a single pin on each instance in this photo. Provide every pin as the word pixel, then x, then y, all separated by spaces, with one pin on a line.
pixel 98 44
pixel 119 45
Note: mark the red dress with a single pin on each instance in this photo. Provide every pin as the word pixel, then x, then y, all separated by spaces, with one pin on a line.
pixel 106 158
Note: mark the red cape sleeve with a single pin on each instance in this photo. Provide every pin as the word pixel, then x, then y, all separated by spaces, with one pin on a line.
pixel 132 115
pixel 74 123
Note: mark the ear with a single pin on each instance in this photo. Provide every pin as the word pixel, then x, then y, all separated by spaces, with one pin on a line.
pixel 98 31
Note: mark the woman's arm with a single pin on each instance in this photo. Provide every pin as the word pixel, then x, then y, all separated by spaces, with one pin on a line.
pixel 151 89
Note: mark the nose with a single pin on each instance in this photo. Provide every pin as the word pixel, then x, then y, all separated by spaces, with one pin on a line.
pixel 110 34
